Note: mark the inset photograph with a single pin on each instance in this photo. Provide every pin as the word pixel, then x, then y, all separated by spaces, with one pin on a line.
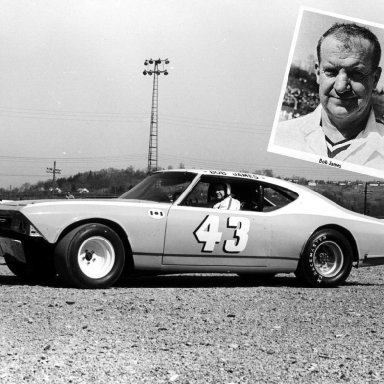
pixel 331 107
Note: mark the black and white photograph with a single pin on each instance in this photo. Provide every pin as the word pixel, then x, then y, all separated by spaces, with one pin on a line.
pixel 191 192
pixel 332 108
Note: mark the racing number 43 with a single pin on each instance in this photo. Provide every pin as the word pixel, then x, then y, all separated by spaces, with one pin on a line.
pixel 209 235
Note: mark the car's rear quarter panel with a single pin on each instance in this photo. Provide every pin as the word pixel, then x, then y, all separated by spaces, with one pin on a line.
pixel 299 220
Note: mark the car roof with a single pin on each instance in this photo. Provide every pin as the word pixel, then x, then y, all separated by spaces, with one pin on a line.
pixel 245 176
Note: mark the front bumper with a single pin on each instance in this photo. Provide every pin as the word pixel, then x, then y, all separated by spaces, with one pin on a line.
pixel 13 248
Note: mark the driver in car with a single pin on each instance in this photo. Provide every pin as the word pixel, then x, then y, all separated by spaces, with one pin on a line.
pixel 223 198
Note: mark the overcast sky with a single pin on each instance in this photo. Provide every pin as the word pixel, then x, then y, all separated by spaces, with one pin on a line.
pixel 72 88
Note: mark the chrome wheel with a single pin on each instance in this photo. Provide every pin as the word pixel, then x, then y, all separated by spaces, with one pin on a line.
pixel 328 259
pixel 96 257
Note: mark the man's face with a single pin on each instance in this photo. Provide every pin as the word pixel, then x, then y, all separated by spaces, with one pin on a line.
pixel 219 192
pixel 346 79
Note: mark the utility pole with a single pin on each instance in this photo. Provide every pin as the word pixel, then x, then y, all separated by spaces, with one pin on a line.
pixel 365 198
pixel 366 192
pixel 54 171
pixel 153 152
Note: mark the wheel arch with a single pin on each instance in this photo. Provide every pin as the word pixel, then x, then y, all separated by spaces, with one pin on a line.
pixel 111 224
pixel 344 232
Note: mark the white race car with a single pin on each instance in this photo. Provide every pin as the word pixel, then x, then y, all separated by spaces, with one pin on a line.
pixel 168 224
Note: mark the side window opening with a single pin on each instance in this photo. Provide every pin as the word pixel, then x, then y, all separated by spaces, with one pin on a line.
pixel 198 197
pixel 277 197
pixel 203 194
pixel 253 195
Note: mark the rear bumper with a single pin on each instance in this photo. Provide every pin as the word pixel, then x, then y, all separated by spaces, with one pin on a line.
pixel 371 260
pixel 13 248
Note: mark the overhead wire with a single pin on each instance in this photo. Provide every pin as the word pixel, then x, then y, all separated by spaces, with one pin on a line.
pixel 117 117
pixel 140 117
pixel 164 158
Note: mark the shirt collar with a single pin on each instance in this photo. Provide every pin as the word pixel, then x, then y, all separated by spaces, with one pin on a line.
pixel 368 141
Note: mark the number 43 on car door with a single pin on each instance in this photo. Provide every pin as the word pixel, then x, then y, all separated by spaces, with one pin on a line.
pixel 208 237
pixel 208 234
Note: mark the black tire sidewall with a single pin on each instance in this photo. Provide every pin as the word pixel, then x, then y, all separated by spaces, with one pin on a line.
pixel 77 237
pixel 307 270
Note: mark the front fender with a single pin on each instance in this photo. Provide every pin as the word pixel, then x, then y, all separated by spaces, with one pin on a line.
pixel 135 219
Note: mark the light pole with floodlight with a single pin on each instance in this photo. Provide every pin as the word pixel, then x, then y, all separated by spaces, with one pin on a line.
pixel 158 68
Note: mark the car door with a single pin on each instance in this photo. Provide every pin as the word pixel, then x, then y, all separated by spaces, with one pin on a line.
pixel 203 236
pixel 208 237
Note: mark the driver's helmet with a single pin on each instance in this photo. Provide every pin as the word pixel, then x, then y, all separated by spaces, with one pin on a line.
pixel 222 186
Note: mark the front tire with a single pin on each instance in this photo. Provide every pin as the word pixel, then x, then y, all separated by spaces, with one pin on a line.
pixel 326 260
pixel 90 256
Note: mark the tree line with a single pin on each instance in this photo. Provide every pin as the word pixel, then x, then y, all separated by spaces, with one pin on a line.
pixel 113 182
pixel 106 182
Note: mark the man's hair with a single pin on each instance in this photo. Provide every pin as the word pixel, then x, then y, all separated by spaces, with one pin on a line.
pixel 345 33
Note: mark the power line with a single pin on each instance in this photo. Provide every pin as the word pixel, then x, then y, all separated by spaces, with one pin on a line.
pixel 28 159
pixel 121 118
pixel 31 112
pixel 229 128
pixel 167 158
pixel 216 122
pixel 122 115
pixel 22 175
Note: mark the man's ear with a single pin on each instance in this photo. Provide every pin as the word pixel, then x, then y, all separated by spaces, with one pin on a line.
pixel 317 70
pixel 376 75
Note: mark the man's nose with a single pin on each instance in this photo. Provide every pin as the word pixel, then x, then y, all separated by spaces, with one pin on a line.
pixel 342 82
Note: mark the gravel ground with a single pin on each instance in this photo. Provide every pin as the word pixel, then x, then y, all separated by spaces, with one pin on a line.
pixel 193 329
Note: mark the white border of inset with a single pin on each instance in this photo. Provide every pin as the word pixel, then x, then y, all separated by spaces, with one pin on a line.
pixel 303 155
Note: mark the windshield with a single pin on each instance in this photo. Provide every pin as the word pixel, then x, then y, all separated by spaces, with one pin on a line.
pixel 161 187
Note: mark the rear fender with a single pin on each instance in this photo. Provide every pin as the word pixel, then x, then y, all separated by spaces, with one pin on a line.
pixel 346 233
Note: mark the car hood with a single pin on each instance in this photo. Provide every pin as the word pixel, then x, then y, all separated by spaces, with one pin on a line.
pixel 23 203
pixel 51 217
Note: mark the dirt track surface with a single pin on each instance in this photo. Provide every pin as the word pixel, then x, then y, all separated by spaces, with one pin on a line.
pixel 193 329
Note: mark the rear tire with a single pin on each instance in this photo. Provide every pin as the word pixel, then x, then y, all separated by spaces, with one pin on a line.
pixel 90 256
pixel 326 260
